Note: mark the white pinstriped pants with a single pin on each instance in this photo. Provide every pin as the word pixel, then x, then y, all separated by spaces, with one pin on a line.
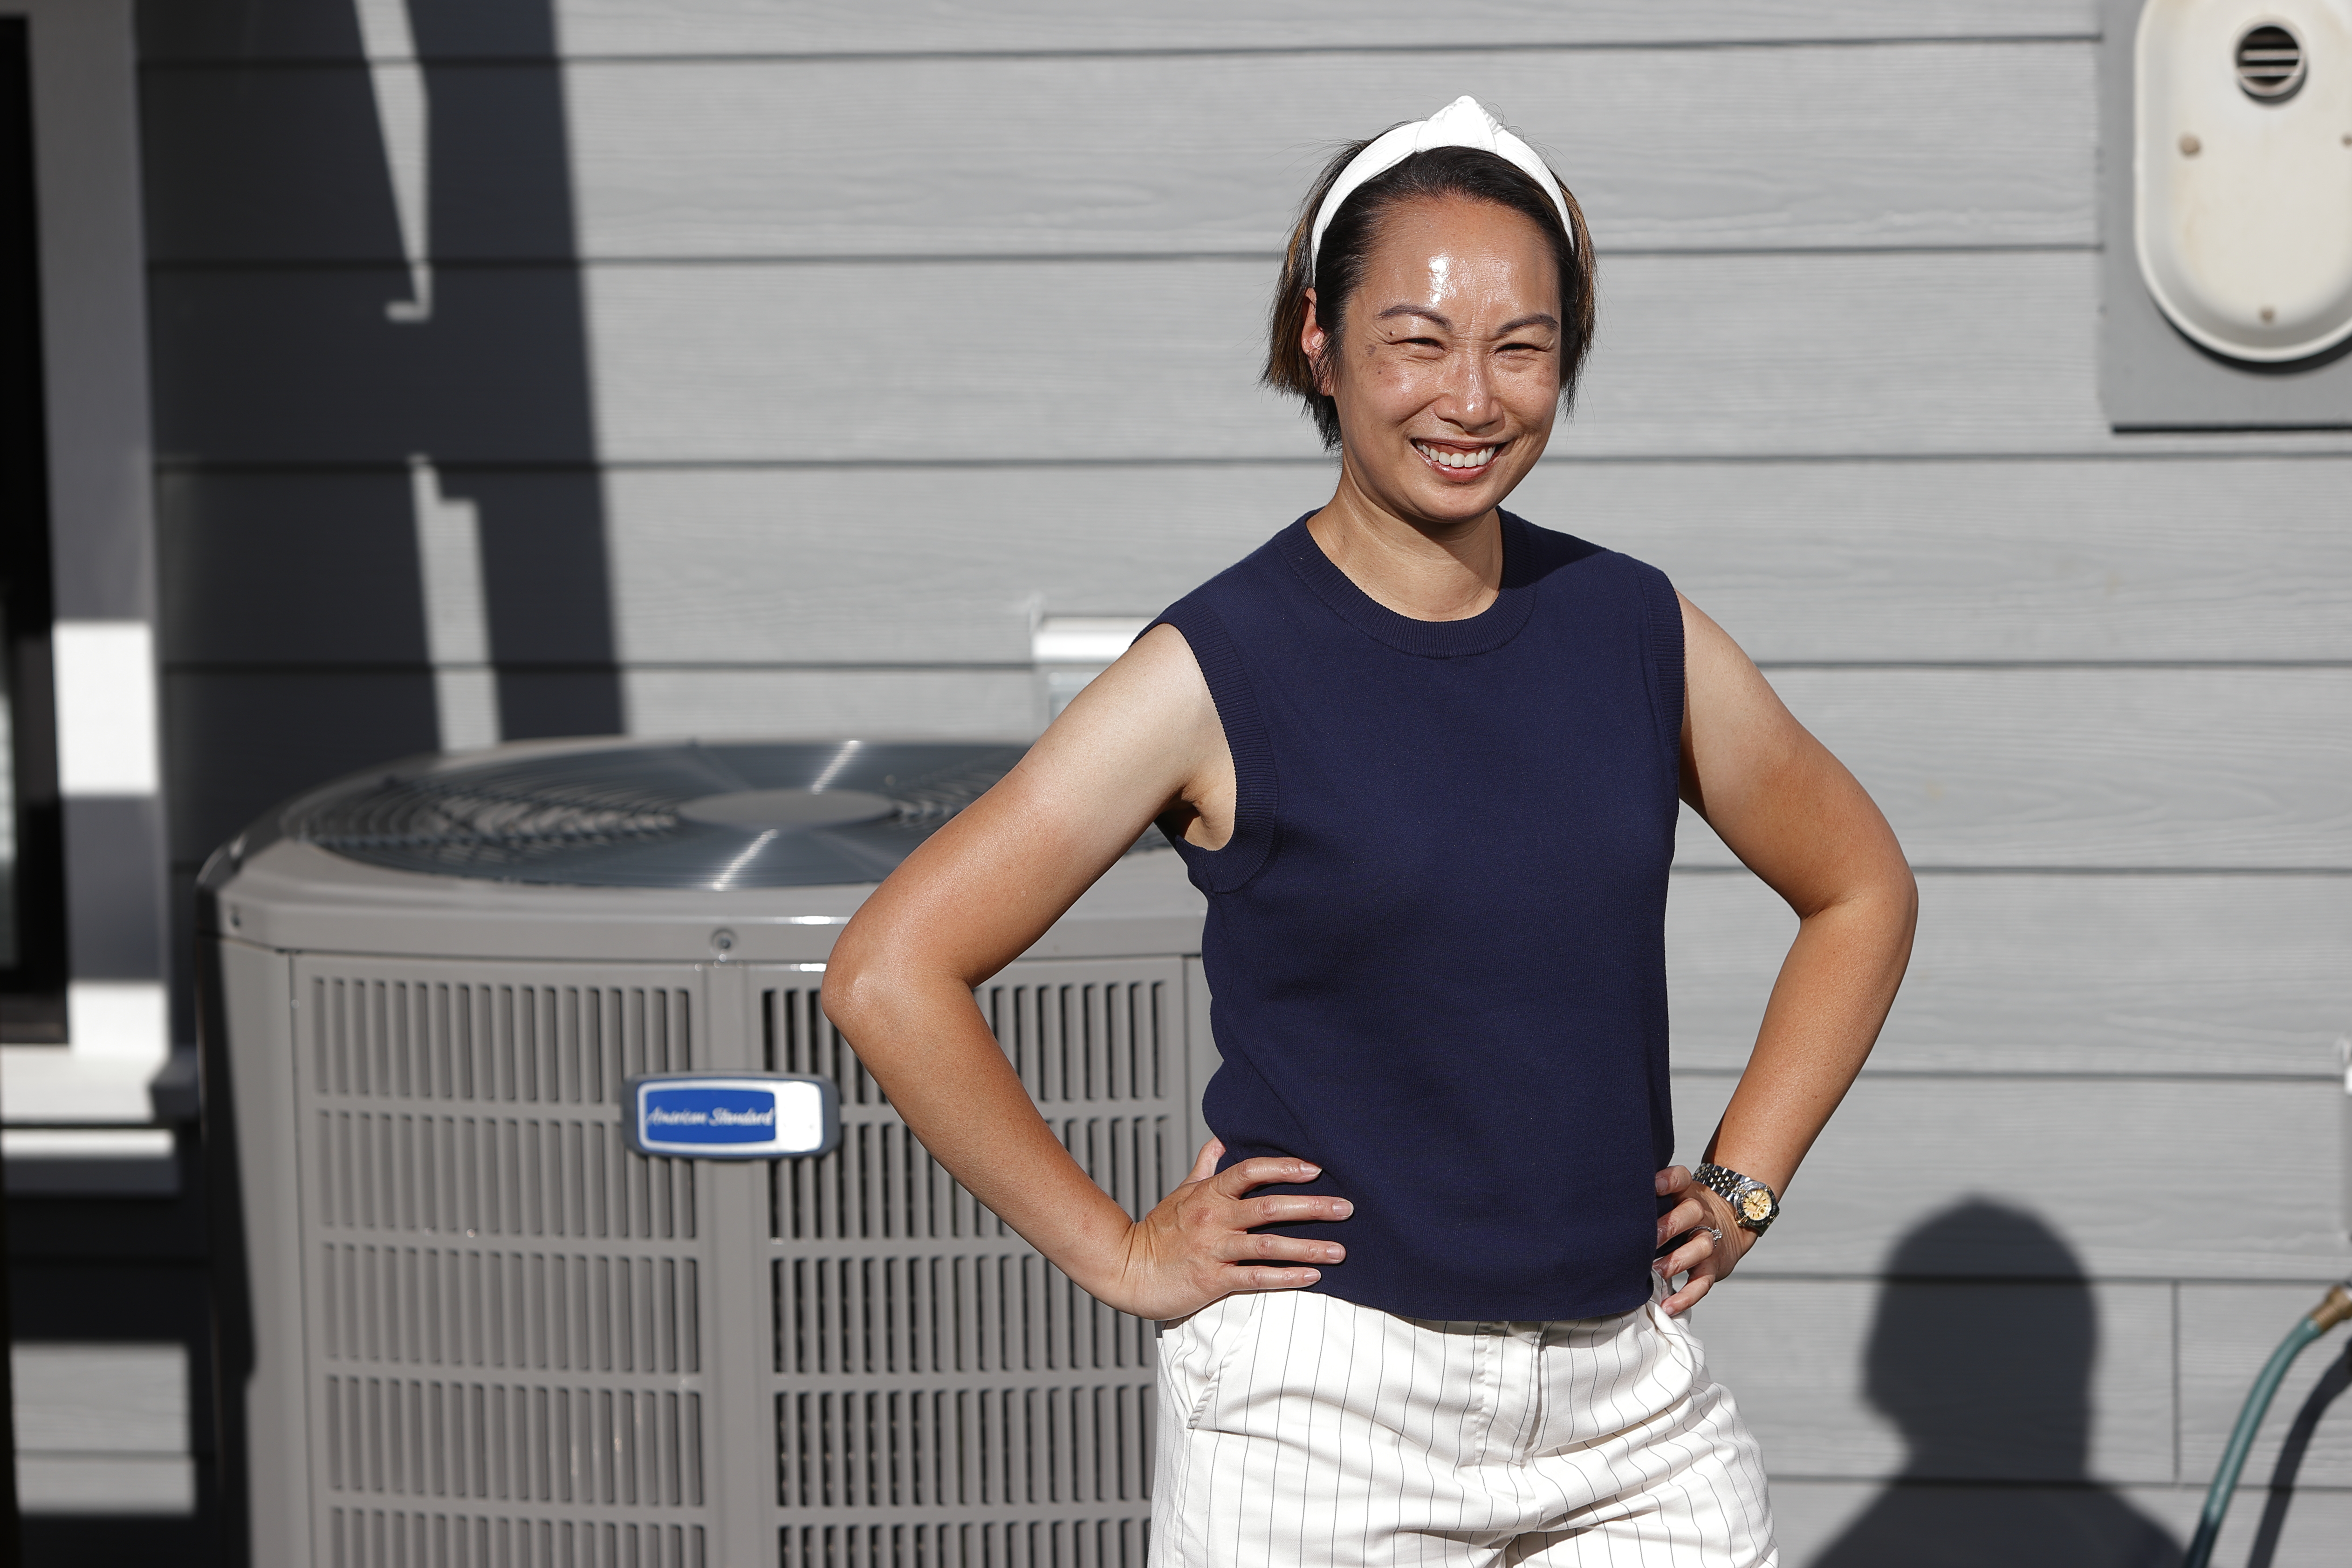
pixel 1300 1431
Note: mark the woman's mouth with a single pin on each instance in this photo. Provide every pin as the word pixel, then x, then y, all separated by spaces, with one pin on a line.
pixel 1457 461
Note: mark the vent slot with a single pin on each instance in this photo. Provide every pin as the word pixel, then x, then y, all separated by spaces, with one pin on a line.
pixel 468 1176
pixel 381 1537
pixel 432 1307
pixel 514 1443
pixel 2270 64
pixel 1102 1041
pixel 885 1317
pixel 880 1183
pixel 962 1447
pixel 1044 1544
pixel 523 1044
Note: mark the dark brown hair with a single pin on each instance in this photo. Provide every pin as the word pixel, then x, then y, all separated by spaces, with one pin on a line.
pixel 1348 243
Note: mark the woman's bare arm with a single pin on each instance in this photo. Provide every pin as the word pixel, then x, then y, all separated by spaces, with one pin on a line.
pixel 1798 820
pixel 1140 742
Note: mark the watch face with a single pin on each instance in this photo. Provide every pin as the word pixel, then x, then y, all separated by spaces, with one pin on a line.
pixel 1755 1204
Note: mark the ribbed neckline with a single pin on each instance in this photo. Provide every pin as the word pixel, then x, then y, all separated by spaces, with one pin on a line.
pixel 1481 634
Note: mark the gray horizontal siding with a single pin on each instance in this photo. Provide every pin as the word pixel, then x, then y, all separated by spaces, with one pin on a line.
pixel 101 1398
pixel 172 29
pixel 2065 769
pixel 2220 558
pixel 2043 1380
pixel 2225 1330
pixel 2053 1414
pixel 1938 145
pixel 2042 974
pixel 2081 1155
pixel 2060 1526
pixel 953 704
pixel 1698 356
pixel 2069 768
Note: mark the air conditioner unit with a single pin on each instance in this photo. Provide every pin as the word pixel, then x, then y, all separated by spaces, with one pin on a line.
pixel 481 1330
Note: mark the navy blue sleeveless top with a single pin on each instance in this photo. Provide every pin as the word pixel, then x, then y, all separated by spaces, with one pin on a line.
pixel 1436 942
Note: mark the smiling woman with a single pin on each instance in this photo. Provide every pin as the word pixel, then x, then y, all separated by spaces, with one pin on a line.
pixel 1323 264
pixel 1424 759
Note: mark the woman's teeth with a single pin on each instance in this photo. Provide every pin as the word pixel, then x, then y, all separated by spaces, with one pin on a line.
pixel 1448 459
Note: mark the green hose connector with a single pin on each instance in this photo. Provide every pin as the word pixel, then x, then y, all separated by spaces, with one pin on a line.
pixel 2333 1308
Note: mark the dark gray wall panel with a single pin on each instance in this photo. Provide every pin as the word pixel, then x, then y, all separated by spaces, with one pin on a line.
pixel 238 29
pixel 290 568
pixel 273 161
pixel 2078 1156
pixel 2044 975
pixel 1945 144
pixel 115 857
pixel 303 367
pixel 237 742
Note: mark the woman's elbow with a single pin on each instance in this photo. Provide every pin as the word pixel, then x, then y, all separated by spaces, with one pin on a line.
pixel 1897 894
pixel 854 993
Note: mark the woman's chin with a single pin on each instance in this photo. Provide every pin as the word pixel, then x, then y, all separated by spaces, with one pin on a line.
pixel 1439 498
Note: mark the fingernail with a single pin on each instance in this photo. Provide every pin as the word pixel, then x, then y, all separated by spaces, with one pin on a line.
pixel 1312 1171
pixel 1313 1275
pixel 1343 1208
pixel 1333 1255
pixel 1660 1182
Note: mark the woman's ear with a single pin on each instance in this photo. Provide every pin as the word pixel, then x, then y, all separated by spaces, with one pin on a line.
pixel 1315 341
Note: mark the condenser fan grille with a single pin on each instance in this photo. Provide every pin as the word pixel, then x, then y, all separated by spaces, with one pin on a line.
pixel 668 815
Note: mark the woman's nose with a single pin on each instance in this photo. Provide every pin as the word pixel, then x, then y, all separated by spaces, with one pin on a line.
pixel 1469 392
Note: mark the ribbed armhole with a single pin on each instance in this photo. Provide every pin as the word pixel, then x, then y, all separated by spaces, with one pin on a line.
pixel 1665 639
pixel 1224 869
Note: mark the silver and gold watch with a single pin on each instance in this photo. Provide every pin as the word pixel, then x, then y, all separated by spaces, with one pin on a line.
pixel 1757 1206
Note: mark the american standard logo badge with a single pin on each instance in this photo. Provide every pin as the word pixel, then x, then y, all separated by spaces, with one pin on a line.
pixel 732 1115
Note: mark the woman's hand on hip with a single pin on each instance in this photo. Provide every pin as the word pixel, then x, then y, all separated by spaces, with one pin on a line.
pixel 1718 1240
pixel 1201 1244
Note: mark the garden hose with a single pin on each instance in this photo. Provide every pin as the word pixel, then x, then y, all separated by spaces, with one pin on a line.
pixel 2333 1308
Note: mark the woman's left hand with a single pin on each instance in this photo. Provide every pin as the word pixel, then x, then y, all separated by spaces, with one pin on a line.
pixel 1705 1257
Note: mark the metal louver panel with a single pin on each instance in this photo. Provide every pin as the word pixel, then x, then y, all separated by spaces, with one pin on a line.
pixel 943 1395
pixel 504 1304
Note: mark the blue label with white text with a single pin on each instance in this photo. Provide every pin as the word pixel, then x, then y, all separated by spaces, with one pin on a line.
pixel 700 1114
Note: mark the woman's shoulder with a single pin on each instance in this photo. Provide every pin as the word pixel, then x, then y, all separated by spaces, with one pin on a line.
pixel 1566 561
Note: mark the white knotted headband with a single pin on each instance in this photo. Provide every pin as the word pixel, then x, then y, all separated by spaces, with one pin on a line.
pixel 1465 122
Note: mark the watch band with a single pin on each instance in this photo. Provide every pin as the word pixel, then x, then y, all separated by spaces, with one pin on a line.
pixel 1755 1204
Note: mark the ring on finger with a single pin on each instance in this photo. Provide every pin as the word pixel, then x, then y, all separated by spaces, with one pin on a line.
pixel 1711 1230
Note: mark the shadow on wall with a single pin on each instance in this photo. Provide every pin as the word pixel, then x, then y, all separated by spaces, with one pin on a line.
pixel 380 520
pixel 1991 1383
pixel 383 524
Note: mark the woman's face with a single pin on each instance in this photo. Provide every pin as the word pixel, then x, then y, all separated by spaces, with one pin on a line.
pixel 1447 373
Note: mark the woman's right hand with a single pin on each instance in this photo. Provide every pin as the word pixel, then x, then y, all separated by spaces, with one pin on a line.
pixel 1201 1244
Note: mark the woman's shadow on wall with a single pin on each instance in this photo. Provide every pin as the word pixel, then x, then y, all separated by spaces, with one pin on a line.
pixel 1989 1382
